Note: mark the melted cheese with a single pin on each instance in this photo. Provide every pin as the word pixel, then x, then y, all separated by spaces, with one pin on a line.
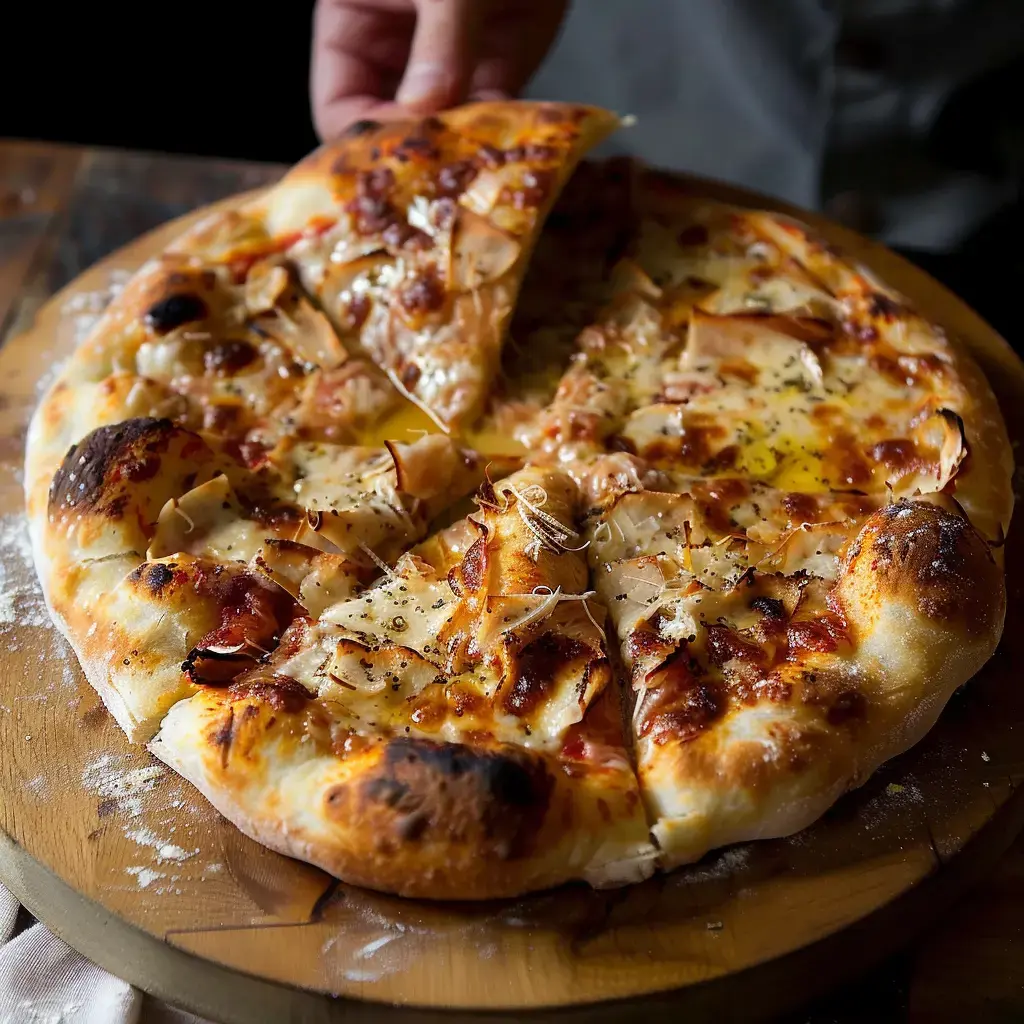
pixel 208 522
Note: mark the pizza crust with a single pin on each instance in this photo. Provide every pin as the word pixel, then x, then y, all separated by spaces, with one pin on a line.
pixel 413 816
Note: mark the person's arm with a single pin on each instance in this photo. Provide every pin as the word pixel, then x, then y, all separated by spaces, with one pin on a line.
pixel 376 58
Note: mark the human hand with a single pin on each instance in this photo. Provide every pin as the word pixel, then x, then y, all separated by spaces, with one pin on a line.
pixel 381 58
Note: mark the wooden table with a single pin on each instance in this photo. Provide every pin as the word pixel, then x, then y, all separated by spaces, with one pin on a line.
pixel 62 208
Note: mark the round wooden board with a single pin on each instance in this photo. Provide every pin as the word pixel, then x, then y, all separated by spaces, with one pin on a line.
pixel 134 868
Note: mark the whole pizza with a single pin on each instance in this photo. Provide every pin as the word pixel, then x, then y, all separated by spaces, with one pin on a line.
pixel 466 519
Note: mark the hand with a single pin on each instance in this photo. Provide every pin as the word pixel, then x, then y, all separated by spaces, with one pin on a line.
pixel 381 58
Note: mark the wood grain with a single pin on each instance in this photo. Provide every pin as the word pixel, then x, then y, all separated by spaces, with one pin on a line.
pixel 760 927
pixel 35 183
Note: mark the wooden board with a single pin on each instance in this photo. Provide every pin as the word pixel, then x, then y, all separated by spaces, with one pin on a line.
pixel 145 871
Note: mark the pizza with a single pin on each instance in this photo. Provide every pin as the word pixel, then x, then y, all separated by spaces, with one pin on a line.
pixel 465 517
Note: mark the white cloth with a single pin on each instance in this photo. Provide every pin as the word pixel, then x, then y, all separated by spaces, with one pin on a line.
pixel 44 981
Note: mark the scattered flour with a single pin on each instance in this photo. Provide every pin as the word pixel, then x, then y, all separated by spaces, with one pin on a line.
pixel 125 788
pixel 164 851
pixel 36 785
pixel 724 865
pixel 124 795
pixel 145 876
pixel 21 600
pixel 894 803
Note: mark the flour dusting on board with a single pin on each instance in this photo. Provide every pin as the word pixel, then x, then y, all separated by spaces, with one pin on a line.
pixel 125 791
pixel 122 790
pixel 387 946
pixel 722 865
pixel 21 600
pixel 145 876
pixel 164 851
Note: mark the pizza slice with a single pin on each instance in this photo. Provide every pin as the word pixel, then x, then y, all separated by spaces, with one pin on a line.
pixel 453 731
pixel 163 556
pixel 780 651
pixel 415 237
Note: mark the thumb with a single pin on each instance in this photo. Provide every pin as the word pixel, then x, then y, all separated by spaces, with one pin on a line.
pixel 442 54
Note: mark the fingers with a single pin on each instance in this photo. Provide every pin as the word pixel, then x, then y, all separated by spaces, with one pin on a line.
pixel 358 56
pixel 514 41
pixel 442 55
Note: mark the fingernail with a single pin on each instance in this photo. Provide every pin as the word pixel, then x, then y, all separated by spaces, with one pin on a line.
pixel 423 82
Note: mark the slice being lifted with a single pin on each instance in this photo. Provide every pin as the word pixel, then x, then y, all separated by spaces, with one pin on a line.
pixel 415 237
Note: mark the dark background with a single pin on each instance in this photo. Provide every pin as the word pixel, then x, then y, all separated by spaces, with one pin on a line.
pixel 214 78
pixel 228 79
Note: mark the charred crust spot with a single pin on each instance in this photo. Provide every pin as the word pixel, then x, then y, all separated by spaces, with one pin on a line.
pixel 175 310
pixel 834 697
pixel 934 559
pixel 848 706
pixel 505 777
pixel 157 576
pixel 491 801
pixel 123 450
pixel 281 693
pixel 223 735
pixel 416 146
pixel 926 537
pixel 412 826
pixel 386 791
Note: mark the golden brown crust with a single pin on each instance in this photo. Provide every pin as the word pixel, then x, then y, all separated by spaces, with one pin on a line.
pixel 931 560
pixel 414 816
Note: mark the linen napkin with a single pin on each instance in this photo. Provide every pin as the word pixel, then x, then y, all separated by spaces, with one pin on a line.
pixel 44 981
